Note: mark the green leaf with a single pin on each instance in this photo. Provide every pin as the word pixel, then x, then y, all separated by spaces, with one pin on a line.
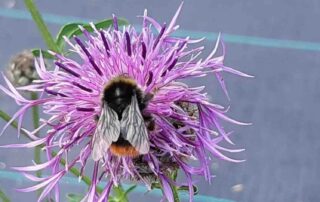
pixel 119 194
pixel 155 185
pixel 67 30
pixel 100 25
pixel 45 54
pixel 130 189
pixel 74 197
pixel 4 197
pixel 73 29
pixel 112 200
pixel 186 188
pixel 37 18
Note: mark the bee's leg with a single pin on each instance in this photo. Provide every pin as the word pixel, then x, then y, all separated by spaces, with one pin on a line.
pixel 147 117
pixel 151 125
pixel 149 120
pixel 147 98
pixel 96 117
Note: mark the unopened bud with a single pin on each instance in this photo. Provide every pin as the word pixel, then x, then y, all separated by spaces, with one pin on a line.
pixel 21 69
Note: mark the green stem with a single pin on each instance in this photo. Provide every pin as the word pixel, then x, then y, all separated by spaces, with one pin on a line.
pixel 36 117
pixel 41 25
pixel 175 193
pixel 73 170
pixel 37 149
pixel 35 111
pixel 175 189
pixel 7 118
pixel 37 158
pixel 4 197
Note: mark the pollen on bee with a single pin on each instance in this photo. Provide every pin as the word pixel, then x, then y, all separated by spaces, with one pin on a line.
pixel 123 151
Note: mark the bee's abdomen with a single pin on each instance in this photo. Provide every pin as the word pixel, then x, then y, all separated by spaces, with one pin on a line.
pixel 123 151
pixel 122 142
pixel 123 148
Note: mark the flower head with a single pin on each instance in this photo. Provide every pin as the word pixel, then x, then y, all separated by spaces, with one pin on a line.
pixel 186 124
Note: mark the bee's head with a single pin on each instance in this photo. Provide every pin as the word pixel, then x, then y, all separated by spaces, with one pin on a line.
pixel 118 96
pixel 118 93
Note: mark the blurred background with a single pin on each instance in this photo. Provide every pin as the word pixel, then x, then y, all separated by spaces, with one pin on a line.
pixel 276 41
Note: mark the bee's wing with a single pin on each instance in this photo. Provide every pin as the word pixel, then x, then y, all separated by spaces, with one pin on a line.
pixel 133 127
pixel 107 131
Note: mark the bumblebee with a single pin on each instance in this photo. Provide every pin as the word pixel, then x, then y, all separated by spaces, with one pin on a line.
pixel 122 126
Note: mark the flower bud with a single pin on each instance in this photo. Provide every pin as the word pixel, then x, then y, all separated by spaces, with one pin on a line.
pixel 21 70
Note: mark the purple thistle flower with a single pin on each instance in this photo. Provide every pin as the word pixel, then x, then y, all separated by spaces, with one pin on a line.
pixel 185 119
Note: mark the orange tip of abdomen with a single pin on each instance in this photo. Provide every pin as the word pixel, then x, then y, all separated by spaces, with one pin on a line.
pixel 123 151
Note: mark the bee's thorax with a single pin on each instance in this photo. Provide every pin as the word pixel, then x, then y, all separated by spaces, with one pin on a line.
pixel 118 93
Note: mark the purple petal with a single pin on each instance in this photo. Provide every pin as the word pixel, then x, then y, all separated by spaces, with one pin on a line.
pixel 42 184
pixel 105 194
pixel 174 19
pixel 36 167
pixel 166 188
pixel 27 145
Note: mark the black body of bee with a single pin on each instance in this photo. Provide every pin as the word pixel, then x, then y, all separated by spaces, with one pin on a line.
pixel 117 94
